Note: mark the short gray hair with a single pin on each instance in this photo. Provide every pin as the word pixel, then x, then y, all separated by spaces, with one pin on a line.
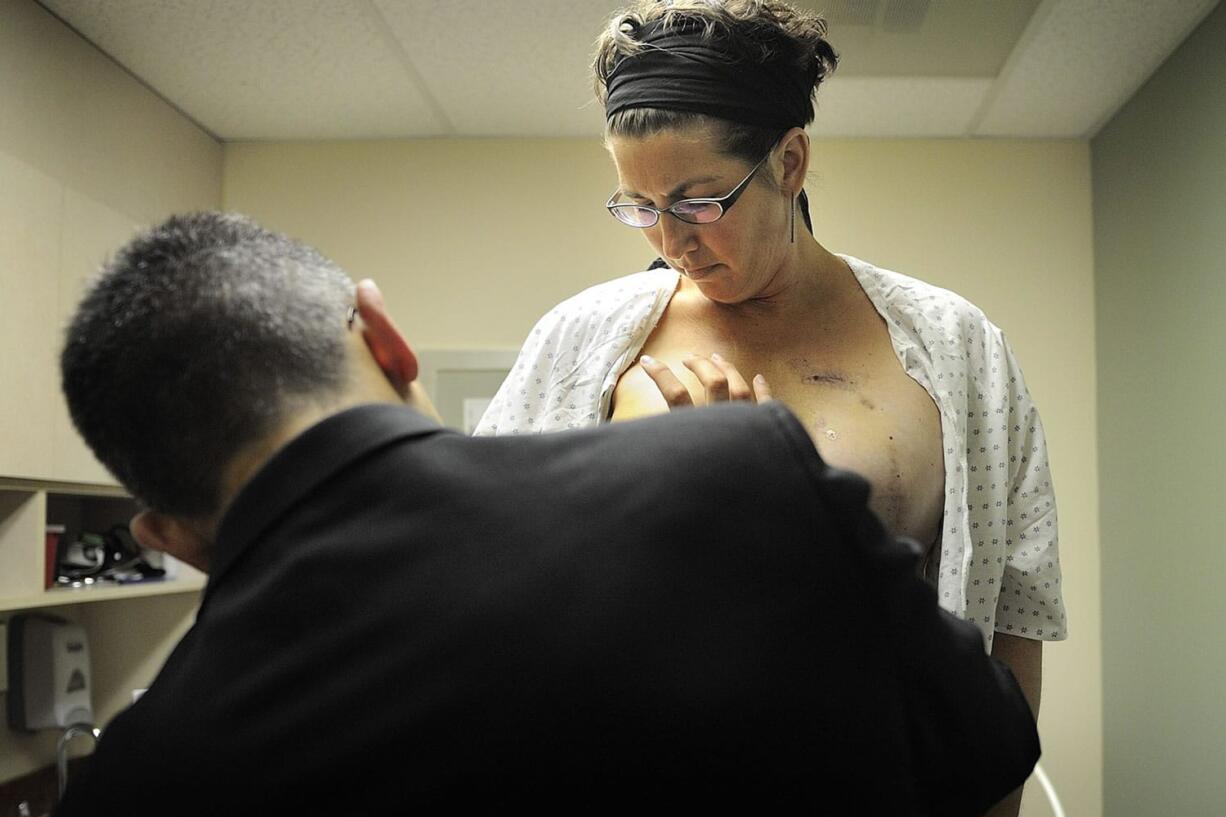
pixel 198 338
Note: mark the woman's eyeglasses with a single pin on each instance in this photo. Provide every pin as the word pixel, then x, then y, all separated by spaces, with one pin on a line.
pixel 691 211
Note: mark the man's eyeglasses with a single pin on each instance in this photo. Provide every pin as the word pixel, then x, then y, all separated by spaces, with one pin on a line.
pixel 691 211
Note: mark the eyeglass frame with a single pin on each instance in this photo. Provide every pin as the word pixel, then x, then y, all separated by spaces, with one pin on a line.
pixel 724 202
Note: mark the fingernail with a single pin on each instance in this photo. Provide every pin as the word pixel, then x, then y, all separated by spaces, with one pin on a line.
pixel 647 360
pixel 715 356
pixel 759 379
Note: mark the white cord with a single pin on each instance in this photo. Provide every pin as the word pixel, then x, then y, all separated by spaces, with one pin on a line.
pixel 1049 790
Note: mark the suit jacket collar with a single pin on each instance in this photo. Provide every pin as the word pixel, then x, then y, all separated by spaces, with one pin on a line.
pixel 306 461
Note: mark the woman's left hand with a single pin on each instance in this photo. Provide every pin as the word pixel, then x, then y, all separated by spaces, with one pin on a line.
pixel 719 378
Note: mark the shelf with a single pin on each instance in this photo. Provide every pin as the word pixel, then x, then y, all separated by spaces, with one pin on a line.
pixel 85 595
pixel 28 506
pixel 56 487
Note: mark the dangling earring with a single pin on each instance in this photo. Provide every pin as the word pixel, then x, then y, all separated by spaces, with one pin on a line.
pixel 793 220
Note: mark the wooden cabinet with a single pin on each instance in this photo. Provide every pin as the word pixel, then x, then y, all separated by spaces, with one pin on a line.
pixel 130 636
pixel 27 507
pixel 86 154
pixel 29 296
pixel 52 240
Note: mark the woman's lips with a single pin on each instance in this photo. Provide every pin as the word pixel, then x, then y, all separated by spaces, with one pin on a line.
pixel 700 272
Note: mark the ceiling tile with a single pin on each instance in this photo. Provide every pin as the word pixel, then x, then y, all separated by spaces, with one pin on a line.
pixel 506 67
pixel 269 69
pixel 1079 62
pixel 942 38
pixel 897 106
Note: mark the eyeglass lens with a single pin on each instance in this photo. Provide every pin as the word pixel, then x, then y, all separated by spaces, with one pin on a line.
pixel 693 212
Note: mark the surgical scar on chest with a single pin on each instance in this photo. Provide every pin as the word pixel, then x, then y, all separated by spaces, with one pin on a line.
pixel 838 381
pixel 816 376
pixel 841 383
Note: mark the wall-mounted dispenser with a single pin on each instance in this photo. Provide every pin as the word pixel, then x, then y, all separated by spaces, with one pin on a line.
pixel 48 674
pixel 49 682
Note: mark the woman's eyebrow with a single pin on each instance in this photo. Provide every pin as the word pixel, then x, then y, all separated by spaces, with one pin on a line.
pixel 676 191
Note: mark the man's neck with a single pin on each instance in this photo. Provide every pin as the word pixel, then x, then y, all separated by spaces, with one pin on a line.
pixel 252 457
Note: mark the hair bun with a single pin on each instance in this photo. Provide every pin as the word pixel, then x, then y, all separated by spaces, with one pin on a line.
pixel 630 25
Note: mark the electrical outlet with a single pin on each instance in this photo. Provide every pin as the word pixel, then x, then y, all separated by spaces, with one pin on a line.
pixel 4 658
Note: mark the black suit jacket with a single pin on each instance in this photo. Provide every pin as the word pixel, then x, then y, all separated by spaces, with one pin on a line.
pixel 685 612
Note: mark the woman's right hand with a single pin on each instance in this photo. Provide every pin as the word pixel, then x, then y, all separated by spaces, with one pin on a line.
pixel 720 380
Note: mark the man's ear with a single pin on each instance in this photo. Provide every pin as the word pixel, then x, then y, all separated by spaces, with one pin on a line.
pixel 171 535
pixel 386 343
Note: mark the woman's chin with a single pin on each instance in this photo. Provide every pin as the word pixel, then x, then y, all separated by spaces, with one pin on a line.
pixel 715 283
pixel 719 292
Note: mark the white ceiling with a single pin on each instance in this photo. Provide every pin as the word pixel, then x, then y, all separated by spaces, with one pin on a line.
pixel 364 69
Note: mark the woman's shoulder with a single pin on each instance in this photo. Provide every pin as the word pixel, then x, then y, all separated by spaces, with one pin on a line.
pixel 619 293
pixel 609 307
pixel 902 298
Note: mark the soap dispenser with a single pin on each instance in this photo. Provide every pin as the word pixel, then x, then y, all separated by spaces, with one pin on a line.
pixel 49 681
pixel 49 678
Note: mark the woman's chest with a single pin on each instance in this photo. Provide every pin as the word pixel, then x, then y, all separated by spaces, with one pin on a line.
pixel 863 411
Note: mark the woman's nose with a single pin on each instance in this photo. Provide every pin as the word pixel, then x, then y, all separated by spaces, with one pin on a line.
pixel 676 237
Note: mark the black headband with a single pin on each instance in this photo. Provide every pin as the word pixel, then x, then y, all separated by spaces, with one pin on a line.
pixel 679 70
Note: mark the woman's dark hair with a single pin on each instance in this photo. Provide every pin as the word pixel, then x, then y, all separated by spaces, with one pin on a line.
pixel 748 31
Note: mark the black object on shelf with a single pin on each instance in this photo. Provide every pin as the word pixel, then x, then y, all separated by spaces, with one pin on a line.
pixel 113 556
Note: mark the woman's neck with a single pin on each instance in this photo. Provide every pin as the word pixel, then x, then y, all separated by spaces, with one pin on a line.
pixel 810 281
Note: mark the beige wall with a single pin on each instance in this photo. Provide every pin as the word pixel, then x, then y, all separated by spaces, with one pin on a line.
pixel 86 153
pixel 473 239
pixel 1160 241
pixel 470 239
